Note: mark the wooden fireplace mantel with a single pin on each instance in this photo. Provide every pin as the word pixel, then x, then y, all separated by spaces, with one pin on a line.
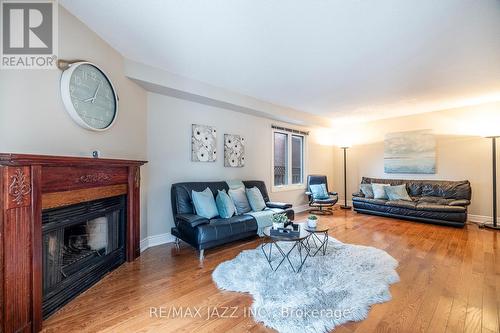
pixel 31 183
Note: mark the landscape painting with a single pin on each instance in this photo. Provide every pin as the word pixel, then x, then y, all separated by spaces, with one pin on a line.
pixel 410 152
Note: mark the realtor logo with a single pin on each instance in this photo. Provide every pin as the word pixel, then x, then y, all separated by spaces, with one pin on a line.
pixel 29 34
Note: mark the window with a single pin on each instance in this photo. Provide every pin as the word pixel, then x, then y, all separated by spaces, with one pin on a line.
pixel 297 159
pixel 280 159
pixel 288 159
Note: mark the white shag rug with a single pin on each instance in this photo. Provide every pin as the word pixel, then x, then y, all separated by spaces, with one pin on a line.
pixel 329 291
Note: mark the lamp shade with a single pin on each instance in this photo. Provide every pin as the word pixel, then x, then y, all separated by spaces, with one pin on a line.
pixel 490 130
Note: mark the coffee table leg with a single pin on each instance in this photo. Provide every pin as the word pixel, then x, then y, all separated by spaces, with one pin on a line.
pixel 286 255
pixel 323 243
pixel 268 257
pixel 302 261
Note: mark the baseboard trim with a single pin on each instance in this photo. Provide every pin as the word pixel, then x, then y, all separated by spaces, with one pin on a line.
pixel 156 240
pixel 480 219
pixel 341 202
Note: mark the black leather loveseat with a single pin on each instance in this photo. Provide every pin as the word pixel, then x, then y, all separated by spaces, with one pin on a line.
pixel 202 233
pixel 441 202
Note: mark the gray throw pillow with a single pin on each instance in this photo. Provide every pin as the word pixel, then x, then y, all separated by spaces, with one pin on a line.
pixel 240 200
pixel 204 203
pixel 319 191
pixel 379 191
pixel 397 193
pixel 367 190
pixel 255 199
pixel 225 205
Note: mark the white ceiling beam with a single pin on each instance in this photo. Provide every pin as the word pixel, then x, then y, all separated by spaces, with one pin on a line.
pixel 165 83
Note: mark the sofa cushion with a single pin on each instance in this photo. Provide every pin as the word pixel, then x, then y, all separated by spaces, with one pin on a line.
pixel 240 200
pixel 461 202
pixel 225 205
pixel 371 201
pixel 255 199
pixel 397 192
pixel 402 204
pixel 447 189
pixel 367 190
pixel 204 203
pixel 219 228
pixel 192 219
pixel 434 200
pixel 379 191
pixel 324 202
pixel 233 219
pixel 319 191
pixel 439 208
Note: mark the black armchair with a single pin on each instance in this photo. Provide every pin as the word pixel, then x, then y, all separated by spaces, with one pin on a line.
pixel 320 206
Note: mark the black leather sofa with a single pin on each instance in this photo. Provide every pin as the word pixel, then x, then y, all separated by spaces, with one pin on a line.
pixel 440 202
pixel 202 233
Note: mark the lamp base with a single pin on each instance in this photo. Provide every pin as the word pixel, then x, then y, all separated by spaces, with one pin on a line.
pixel 491 226
pixel 345 207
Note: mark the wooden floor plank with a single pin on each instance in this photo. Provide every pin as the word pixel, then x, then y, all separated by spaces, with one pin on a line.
pixel 450 282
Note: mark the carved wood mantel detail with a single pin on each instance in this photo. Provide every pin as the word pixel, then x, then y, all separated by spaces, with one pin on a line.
pixel 137 177
pixel 19 187
pixel 94 178
pixel 31 183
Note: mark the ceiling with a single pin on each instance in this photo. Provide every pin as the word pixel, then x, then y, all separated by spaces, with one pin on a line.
pixel 340 58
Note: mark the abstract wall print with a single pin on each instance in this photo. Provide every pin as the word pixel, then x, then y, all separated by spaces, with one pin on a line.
pixel 234 151
pixel 203 143
pixel 410 152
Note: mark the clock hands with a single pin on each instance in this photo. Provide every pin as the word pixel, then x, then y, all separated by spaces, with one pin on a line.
pixel 92 99
pixel 97 90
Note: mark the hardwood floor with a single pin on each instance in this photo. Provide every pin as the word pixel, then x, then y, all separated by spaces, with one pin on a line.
pixel 450 282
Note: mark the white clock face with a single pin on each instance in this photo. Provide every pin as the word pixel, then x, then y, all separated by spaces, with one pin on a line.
pixel 92 97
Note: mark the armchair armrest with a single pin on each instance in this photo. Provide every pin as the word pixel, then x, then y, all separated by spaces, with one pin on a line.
pixel 460 202
pixel 192 219
pixel 333 193
pixel 358 194
pixel 308 193
pixel 280 205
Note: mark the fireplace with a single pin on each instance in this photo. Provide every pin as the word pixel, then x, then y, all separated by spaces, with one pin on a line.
pixel 80 244
pixel 64 223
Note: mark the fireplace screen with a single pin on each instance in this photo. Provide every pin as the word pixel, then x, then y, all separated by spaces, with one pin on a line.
pixel 81 243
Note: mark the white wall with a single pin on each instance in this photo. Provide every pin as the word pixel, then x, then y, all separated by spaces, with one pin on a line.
pixel 169 153
pixel 33 118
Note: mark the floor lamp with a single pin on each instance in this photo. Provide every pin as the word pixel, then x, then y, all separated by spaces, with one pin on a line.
pixel 494 158
pixel 345 206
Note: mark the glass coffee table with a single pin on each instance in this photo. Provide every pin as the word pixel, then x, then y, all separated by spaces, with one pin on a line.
pixel 276 255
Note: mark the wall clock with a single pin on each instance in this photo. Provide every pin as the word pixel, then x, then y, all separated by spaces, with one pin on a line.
pixel 89 96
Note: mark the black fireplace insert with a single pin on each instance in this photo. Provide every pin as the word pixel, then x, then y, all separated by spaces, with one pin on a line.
pixel 81 243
